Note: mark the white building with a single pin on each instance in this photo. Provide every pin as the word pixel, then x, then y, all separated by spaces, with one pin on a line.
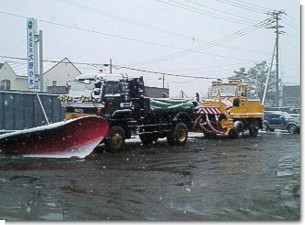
pixel 13 76
pixel 9 80
pixel 56 77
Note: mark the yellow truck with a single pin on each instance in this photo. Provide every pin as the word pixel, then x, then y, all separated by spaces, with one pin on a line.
pixel 228 111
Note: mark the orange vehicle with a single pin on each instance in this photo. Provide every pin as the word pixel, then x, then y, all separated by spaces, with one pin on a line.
pixel 229 111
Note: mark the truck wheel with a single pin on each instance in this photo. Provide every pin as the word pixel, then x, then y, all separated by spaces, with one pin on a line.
pixel 253 132
pixel 115 139
pixel 292 128
pixel 179 135
pixel 237 131
pixel 253 129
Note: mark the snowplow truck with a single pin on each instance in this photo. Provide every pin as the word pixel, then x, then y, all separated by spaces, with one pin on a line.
pixel 227 111
pixel 122 102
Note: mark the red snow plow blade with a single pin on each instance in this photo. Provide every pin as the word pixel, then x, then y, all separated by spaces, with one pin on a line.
pixel 72 138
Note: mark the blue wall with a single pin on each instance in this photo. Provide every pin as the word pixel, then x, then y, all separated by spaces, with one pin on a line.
pixel 20 110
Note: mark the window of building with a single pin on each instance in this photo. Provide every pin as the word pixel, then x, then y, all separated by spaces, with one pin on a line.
pixel 5 85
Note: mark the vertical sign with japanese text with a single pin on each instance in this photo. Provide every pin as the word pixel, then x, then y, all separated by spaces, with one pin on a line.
pixel 32 54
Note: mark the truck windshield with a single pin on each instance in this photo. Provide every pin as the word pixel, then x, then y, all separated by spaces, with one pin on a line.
pixel 81 87
pixel 225 90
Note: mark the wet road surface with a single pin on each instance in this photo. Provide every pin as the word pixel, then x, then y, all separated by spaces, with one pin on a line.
pixel 208 180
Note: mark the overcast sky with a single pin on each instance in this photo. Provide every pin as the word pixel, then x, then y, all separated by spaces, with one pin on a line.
pixel 197 38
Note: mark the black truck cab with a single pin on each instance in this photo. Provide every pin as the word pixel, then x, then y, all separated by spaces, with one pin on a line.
pixel 124 104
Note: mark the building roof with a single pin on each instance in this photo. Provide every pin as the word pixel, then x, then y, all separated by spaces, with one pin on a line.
pixel 65 60
pixel 20 67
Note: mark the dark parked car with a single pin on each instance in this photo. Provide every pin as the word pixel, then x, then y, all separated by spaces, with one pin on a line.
pixel 293 111
pixel 280 120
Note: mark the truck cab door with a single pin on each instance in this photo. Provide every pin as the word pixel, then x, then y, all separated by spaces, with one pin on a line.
pixel 111 97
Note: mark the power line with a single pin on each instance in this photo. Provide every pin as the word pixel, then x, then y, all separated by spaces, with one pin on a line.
pixel 193 50
pixel 222 12
pixel 161 73
pixel 116 36
pixel 142 25
pixel 118 67
pixel 125 38
pixel 99 64
pixel 289 18
pixel 125 19
pixel 51 61
pixel 249 4
pixel 196 49
pixel 243 6
pixel 204 12
pixel 292 24
pixel 298 21
pixel 181 82
pixel 92 31
pixel 216 66
pixel 237 48
pixel 207 45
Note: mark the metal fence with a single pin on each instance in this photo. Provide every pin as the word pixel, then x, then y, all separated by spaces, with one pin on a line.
pixel 20 110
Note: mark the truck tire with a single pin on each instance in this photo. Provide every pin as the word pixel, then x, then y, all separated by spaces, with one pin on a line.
pixel 253 132
pixel 179 135
pixel 237 131
pixel 253 129
pixel 115 139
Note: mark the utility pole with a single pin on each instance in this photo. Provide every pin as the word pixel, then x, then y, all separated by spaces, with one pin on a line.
pixel 163 79
pixel 110 66
pixel 277 16
pixel 41 61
